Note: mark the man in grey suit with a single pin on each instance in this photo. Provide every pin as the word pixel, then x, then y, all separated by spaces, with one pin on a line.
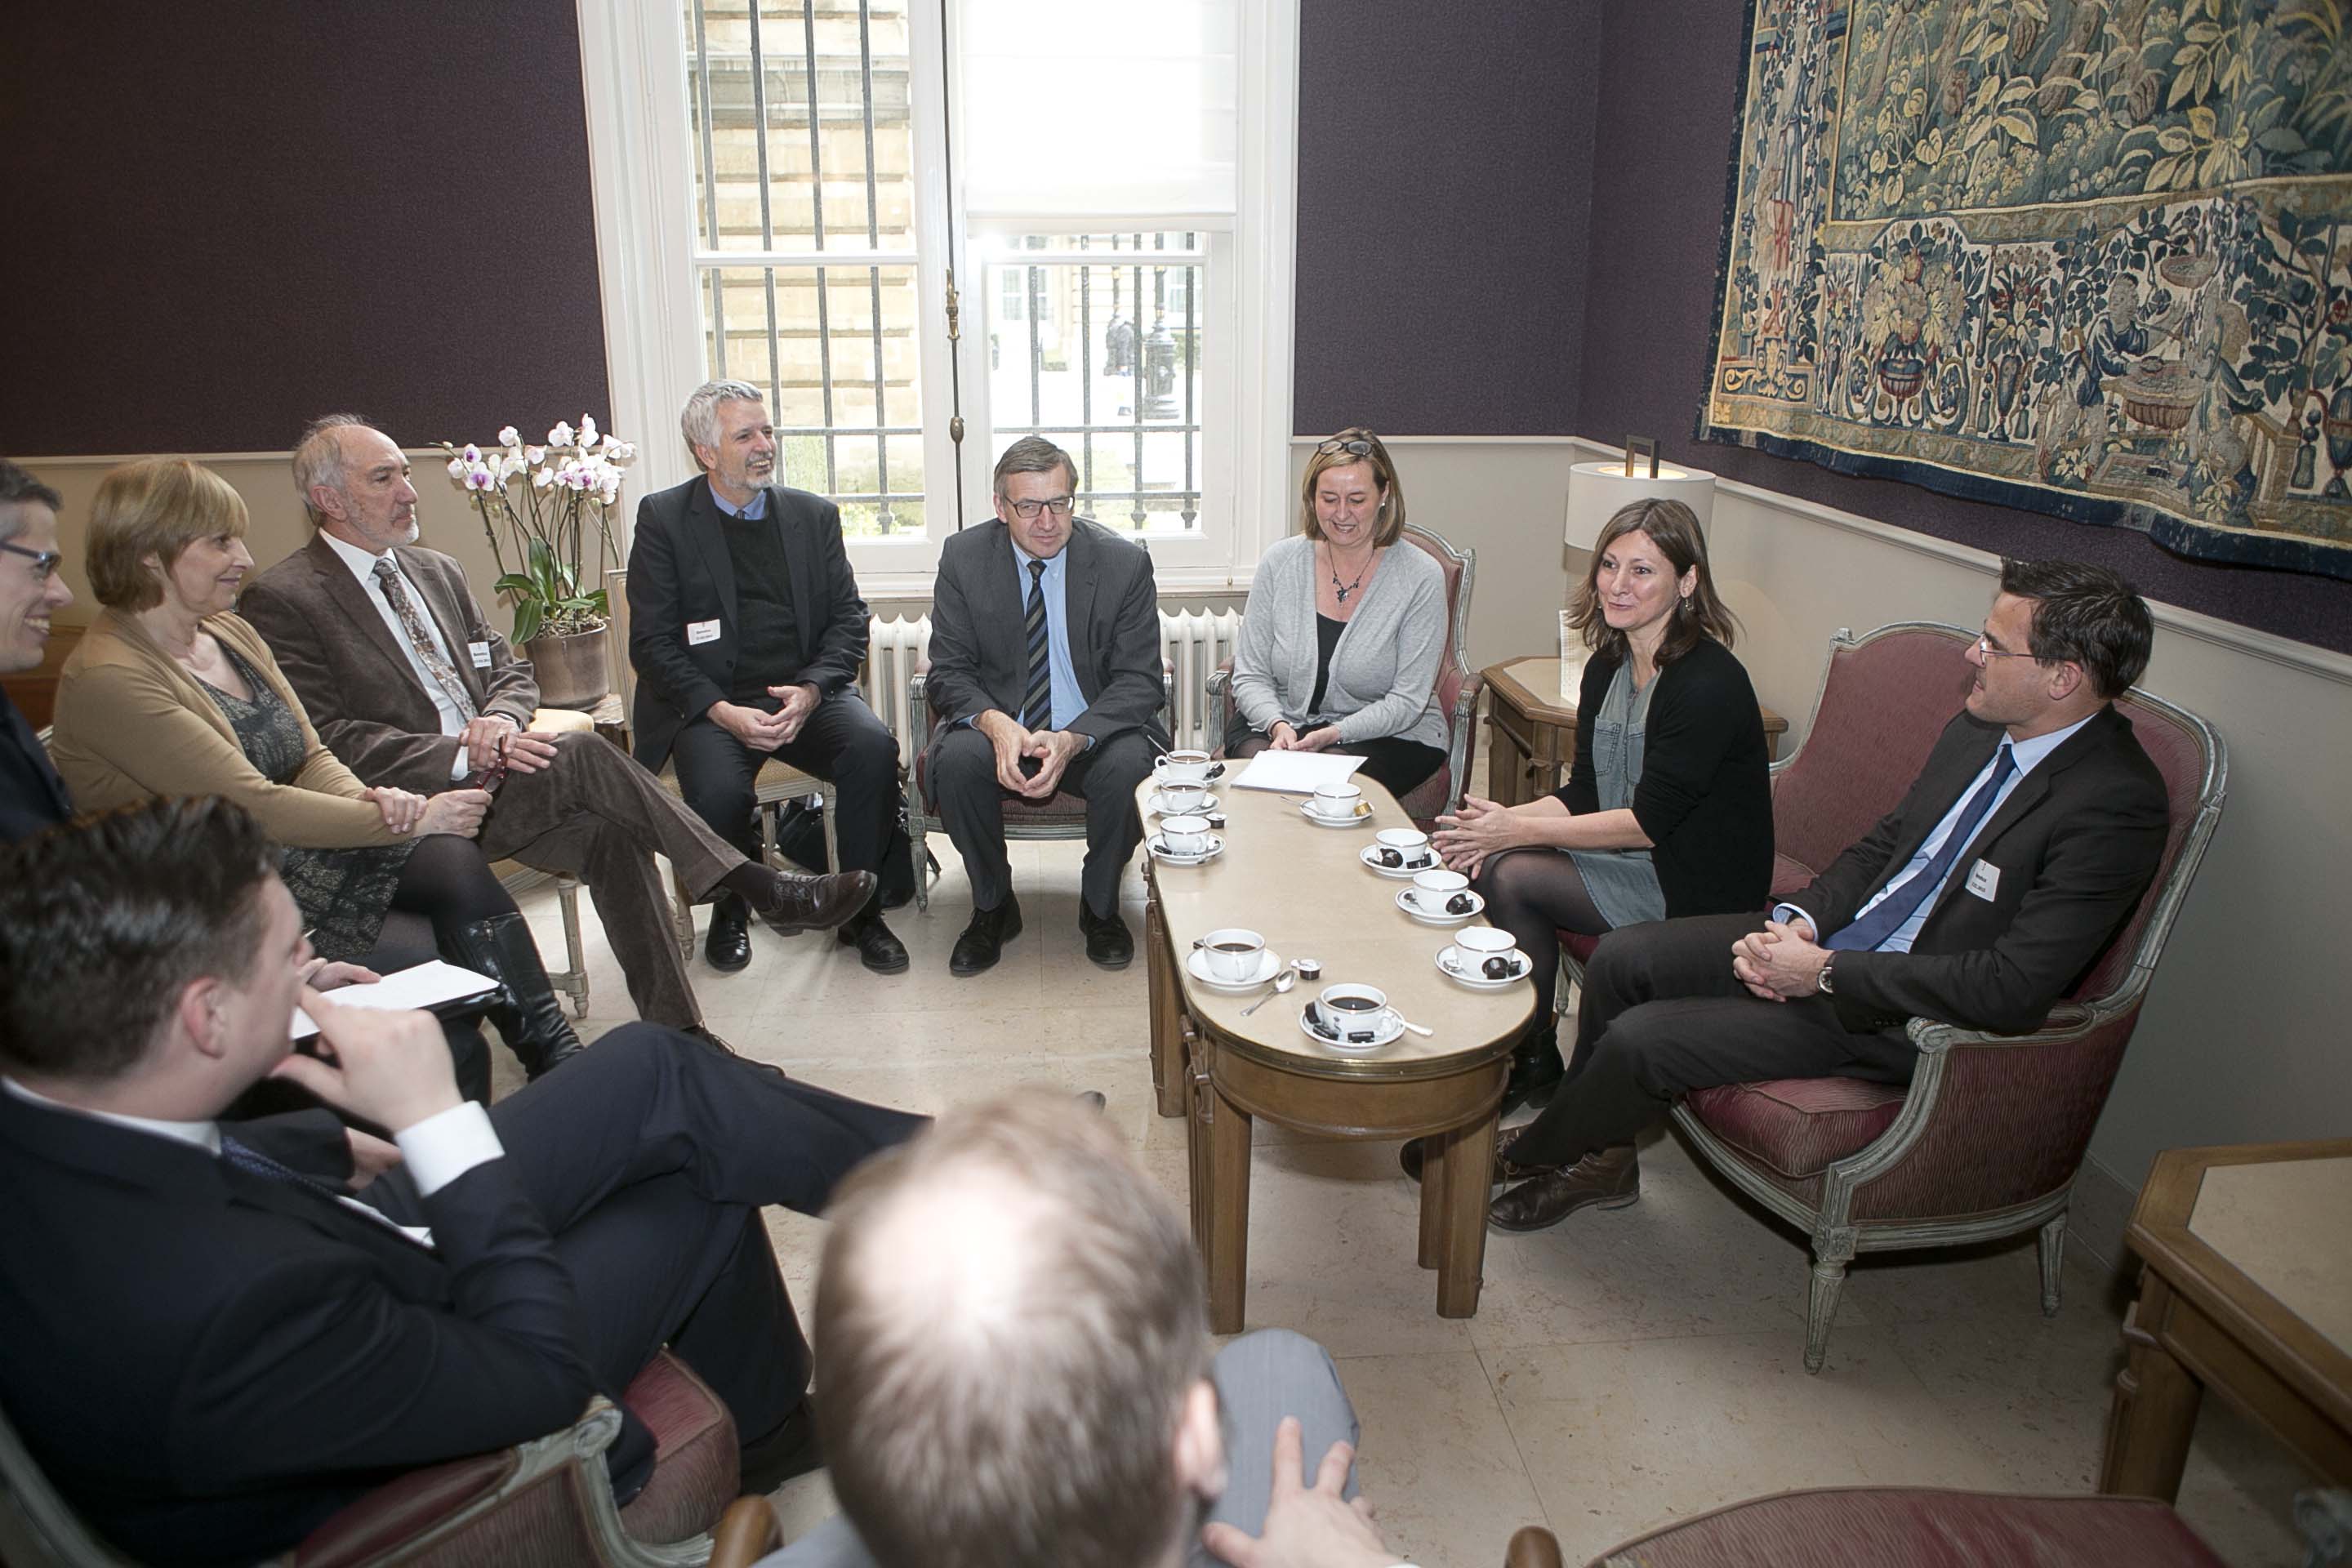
pixel 409 686
pixel 1045 677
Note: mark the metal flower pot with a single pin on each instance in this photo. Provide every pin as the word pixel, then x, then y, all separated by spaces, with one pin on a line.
pixel 573 671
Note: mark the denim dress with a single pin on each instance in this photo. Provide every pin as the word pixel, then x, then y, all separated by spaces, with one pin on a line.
pixel 1623 882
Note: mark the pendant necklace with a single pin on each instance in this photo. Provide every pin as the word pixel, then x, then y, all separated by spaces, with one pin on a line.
pixel 1341 590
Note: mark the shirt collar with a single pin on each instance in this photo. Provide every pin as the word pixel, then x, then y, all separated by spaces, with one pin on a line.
pixel 204 1135
pixel 361 561
pixel 1053 564
pixel 753 511
pixel 2029 752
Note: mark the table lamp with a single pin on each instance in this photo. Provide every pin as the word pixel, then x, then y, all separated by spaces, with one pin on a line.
pixel 1596 491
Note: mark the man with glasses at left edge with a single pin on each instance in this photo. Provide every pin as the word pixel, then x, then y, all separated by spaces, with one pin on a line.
pixel 32 589
pixel 1045 677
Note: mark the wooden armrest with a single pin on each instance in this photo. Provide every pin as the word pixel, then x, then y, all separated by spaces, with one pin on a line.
pixel 2067 1020
pixel 747 1532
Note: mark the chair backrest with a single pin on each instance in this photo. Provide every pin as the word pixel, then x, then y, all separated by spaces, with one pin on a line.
pixel 616 645
pixel 1453 676
pixel 1884 699
pixel 2195 763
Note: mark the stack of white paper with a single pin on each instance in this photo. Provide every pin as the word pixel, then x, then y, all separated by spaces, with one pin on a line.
pixel 1296 773
pixel 427 986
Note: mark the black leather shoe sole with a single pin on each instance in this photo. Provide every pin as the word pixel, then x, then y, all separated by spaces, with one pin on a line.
pixel 728 947
pixel 878 947
pixel 982 942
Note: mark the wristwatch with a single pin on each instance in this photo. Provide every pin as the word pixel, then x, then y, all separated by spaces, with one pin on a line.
pixel 1821 981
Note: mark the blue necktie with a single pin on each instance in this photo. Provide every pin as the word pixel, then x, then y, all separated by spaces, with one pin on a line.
pixel 1037 707
pixel 1888 917
pixel 254 1162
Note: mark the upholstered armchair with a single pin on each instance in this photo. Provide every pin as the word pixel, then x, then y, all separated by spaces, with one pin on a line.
pixel 1457 685
pixel 1985 1141
pixel 546 1501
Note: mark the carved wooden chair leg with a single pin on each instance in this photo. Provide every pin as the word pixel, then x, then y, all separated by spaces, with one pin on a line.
pixel 2053 1253
pixel 1832 1250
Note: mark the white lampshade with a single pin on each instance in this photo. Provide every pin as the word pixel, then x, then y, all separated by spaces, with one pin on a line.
pixel 1597 490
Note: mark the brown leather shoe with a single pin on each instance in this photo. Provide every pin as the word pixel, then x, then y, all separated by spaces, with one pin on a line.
pixel 1607 1178
pixel 1415 1156
pixel 795 903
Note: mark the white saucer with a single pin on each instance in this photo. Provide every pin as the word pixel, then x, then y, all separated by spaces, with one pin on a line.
pixel 1196 964
pixel 1479 982
pixel 1319 820
pixel 1216 772
pixel 1439 918
pixel 1157 806
pixel 1394 873
pixel 1390 1032
pixel 1160 851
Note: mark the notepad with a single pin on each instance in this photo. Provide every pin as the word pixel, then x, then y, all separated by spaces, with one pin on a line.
pixel 426 985
pixel 1296 773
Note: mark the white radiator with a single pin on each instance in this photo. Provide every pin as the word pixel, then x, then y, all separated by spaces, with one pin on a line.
pixel 1193 642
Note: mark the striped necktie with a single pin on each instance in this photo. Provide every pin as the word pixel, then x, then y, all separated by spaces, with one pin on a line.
pixel 1882 921
pixel 1037 707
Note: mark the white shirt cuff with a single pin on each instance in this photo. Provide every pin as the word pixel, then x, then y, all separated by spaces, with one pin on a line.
pixel 459 766
pixel 444 1147
pixel 1790 914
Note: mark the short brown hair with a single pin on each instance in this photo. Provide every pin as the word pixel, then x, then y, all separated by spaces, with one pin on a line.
pixel 1698 618
pixel 1011 1317
pixel 1355 445
pixel 156 506
pixel 2084 615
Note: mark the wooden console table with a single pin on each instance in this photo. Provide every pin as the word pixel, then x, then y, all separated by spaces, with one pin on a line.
pixel 2247 1290
pixel 1532 728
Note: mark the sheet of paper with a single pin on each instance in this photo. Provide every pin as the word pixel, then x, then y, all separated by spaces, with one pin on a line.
pixel 426 985
pixel 1296 773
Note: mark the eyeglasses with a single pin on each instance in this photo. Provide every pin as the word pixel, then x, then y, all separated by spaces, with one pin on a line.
pixel 1349 446
pixel 1061 506
pixel 1984 646
pixel 45 561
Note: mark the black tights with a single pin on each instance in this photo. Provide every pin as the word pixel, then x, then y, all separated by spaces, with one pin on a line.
pixel 448 880
pixel 1535 894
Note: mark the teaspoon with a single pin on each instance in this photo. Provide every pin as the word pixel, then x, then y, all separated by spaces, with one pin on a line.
pixel 1282 982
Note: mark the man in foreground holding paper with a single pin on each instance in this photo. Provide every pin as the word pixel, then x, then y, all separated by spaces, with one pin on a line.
pixel 268 1333
pixel 1045 677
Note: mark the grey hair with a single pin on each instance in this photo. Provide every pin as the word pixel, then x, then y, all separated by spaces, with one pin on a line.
pixel 1033 455
pixel 701 418
pixel 17 484
pixel 319 458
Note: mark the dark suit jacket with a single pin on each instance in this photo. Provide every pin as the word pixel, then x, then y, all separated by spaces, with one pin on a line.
pixel 2073 846
pixel 209 1363
pixel 32 797
pixel 368 705
pixel 980 653
pixel 681 572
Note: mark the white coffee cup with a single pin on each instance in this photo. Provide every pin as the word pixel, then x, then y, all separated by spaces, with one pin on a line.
pixel 1184 767
pixel 1183 799
pixel 1431 888
pixel 1184 835
pixel 1352 1011
pixel 1473 945
pixel 1411 844
pixel 1233 953
pixel 1336 801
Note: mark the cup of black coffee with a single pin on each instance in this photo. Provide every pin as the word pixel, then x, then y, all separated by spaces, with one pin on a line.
pixel 1232 953
pixel 1355 1014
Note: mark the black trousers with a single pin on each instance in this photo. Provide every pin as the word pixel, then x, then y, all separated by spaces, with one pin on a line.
pixel 1395 763
pixel 649 1158
pixel 842 743
pixel 1663 1015
pixel 971 805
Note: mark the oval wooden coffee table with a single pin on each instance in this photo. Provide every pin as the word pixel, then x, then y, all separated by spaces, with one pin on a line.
pixel 1304 888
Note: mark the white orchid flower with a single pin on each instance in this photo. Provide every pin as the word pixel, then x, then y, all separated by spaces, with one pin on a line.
pixel 478 479
pixel 559 437
pixel 539 480
pixel 627 453
pixel 510 465
pixel 472 454
pixel 535 455
pixel 457 469
pixel 509 437
pixel 587 430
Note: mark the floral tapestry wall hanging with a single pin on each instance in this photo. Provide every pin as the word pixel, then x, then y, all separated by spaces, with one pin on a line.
pixel 2091 257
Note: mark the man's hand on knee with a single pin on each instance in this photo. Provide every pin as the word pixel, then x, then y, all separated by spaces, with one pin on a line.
pixel 1306 1526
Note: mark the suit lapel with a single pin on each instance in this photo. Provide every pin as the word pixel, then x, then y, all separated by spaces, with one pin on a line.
pixel 357 602
pixel 706 525
pixel 1079 586
pixel 18 729
pixel 799 565
pixel 1962 772
pixel 2030 792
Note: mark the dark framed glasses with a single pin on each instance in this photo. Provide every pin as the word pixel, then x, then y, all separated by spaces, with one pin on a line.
pixel 1345 446
pixel 45 561
pixel 1060 506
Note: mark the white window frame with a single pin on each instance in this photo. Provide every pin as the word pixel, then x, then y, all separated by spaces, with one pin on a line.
pixel 633 69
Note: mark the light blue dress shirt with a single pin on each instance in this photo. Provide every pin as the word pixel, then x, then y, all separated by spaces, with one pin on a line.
pixel 1069 700
pixel 757 510
pixel 2028 756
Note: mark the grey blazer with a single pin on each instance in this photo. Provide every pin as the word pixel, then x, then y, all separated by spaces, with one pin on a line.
pixel 980 655
pixel 1384 670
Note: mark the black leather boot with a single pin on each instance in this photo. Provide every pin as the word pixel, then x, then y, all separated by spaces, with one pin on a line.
pixel 1536 1070
pixel 524 1009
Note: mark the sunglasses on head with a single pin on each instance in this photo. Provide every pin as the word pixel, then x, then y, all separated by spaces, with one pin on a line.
pixel 1349 445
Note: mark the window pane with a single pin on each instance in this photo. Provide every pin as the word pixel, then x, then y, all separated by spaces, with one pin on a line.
pixel 844 434
pixel 1102 356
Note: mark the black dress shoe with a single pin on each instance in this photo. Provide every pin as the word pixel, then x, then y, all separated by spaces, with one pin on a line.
pixel 878 947
pixel 982 942
pixel 1606 1178
pixel 1414 1155
pixel 728 945
pixel 1109 944
pixel 791 1450
pixel 793 903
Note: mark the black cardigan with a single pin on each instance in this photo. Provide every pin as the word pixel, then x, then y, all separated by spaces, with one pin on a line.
pixel 1704 797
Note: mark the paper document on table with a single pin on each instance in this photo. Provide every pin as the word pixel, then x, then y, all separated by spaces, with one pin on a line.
pixel 427 986
pixel 1296 773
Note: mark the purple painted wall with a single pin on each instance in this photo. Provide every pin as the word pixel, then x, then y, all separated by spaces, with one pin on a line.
pixel 1444 185
pixel 226 221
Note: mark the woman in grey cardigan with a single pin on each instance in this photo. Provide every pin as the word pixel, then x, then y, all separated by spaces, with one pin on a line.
pixel 1340 645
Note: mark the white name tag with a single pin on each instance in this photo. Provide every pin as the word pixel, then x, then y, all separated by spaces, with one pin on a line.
pixel 700 632
pixel 1984 879
pixel 479 652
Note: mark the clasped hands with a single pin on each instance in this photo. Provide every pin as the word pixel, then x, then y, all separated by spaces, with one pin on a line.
pixel 1466 839
pixel 1781 963
pixel 764 731
pixel 1014 744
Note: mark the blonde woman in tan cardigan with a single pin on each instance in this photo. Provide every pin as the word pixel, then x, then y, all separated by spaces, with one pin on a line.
pixel 170 693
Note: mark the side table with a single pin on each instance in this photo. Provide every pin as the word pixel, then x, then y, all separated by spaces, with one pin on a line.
pixel 2247 1290
pixel 1531 727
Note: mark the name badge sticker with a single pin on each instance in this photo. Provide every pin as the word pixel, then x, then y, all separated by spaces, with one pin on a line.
pixel 700 632
pixel 479 652
pixel 1984 879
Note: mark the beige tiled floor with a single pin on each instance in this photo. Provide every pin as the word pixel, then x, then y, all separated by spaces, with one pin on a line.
pixel 1625 1369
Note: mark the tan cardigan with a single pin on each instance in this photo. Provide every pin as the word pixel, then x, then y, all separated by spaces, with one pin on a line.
pixel 132 724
